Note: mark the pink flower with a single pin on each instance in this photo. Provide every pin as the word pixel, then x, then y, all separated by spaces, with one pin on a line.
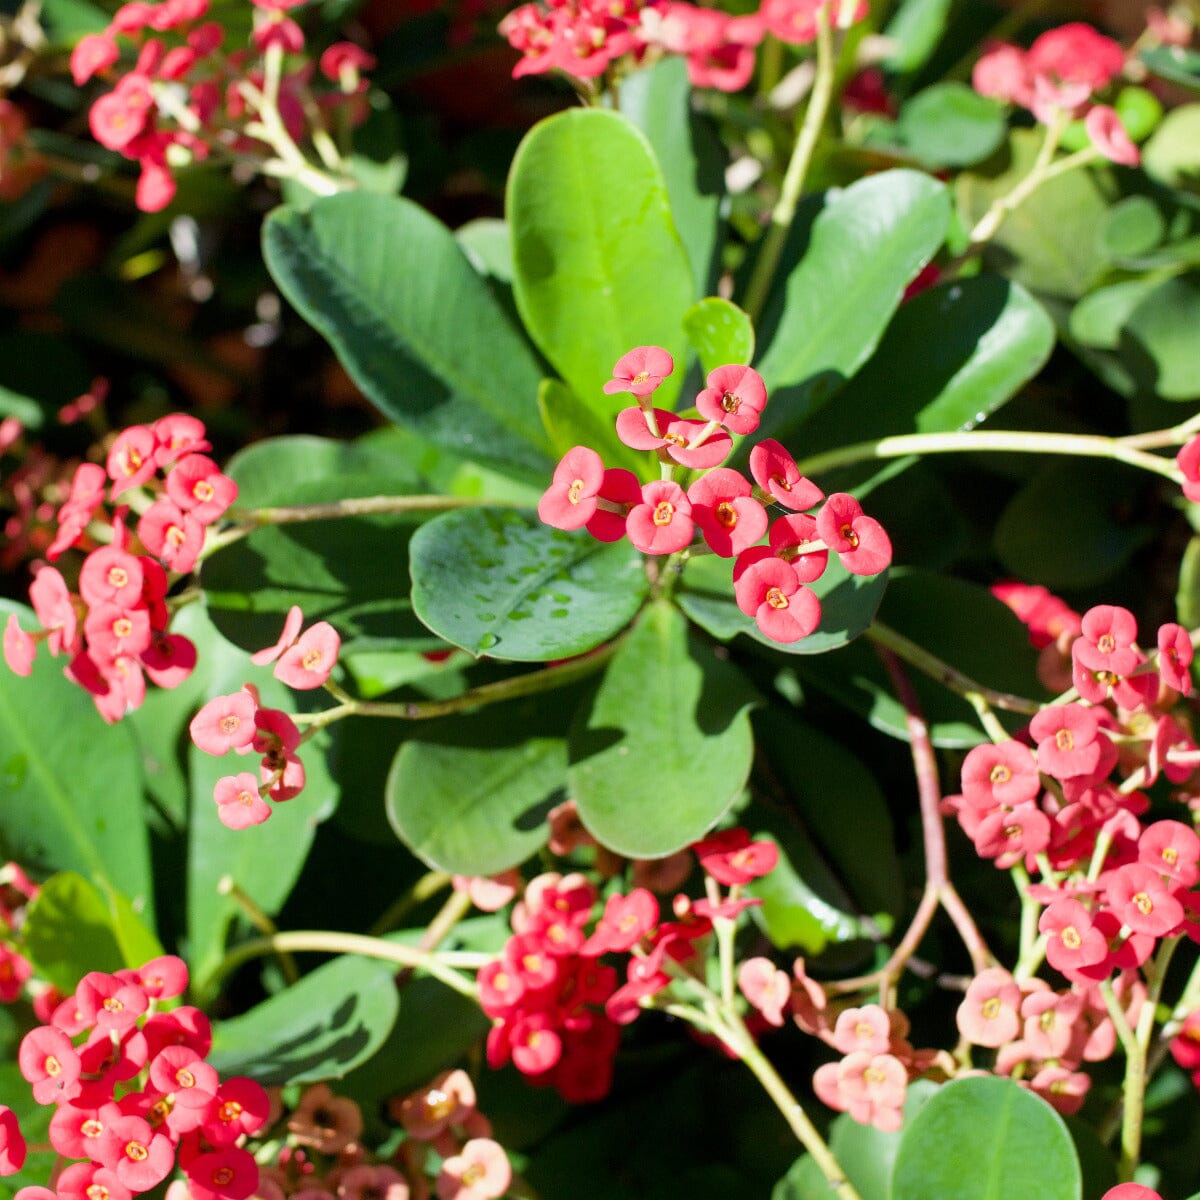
pixel 342 62
pixel 1069 742
pixel 480 1171
pixel 176 435
pixel 1108 135
pixel 1076 53
pixel 12 1143
pixel 1072 941
pixel 730 857
pixel 291 627
pixel 775 471
pixel 19 648
pixel 1002 72
pixel 49 1062
pixel 172 535
pixel 1138 896
pixel 224 723
pixel 620 488
pixel 990 1012
pixel 1175 657
pixel 93 53
pixel 239 804
pixel 859 541
pixel 229 1173
pixel 1000 775
pixel 782 607
pixel 729 517
pixel 570 500
pixel 308 663
pixel 197 486
pixel 1188 462
pixel 169 659
pixel 766 987
pixel 689 443
pixel 53 604
pixel 111 576
pixel 116 119
pixel 662 522
pixel 140 1157
pixel 735 396
pixel 640 371
pixel 1130 1191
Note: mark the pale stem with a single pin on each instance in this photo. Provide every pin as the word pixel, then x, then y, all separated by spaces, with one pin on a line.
pixel 1032 947
pixel 793 180
pixel 724 931
pixel 991 441
pixel 443 965
pixel 530 684
pixel 228 886
pixel 944 673
pixel 987 718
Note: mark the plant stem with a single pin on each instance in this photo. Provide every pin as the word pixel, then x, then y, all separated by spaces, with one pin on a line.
pixel 793 180
pixel 428 885
pixel 442 966
pixel 991 441
pixel 228 886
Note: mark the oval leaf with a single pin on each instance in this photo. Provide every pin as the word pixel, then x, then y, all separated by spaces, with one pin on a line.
pixel 986 1138
pixel 497 581
pixel 719 332
pixel 392 292
pixel 598 265
pixel 665 746
pixel 321 1027
pixel 864 246
pixel 951 125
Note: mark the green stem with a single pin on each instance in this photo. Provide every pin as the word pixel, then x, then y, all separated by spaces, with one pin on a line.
pixel 428 885
pixel 530 684
pixel 442 966
pixel 944 673
pixel 797 168
pixel 991 441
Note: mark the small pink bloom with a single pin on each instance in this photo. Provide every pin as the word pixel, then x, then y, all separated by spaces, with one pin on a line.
pixel 19 647
pixel 1108 135
pixel 52 603
pixel 570 500
pixel 342 62
pixel 48 1060
pixel 93 53
pixel 619 487
pixel 1138 896
pixel 1000 775
pixel 729 517
pixel 1175 657
pixel 140 1157
pixel 766 987
pixel 111 576
pixel 730 857
pixel 782 607
pixel 990 1012
pixel 291 627
pixel 1188 462
pixel 775 471
pixel 1003 73
pixel 308 663
pixel 197 486
pixel 1076 53
pixel 480 1171
pixel 1072 941
pixel 239 804
pixel 224 723
pixel 640 371
pixel 678 437
pixel 172 535
pixel 735 396
pixel 662 522
pixel 860 542
pixel 177 435
pixel 1130 1191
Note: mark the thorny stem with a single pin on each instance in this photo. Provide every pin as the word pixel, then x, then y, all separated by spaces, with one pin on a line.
pixel 442 965
pixel 797 168
pixel 992 441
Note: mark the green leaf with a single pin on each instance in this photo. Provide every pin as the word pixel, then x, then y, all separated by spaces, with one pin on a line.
pixel 72 929
pixel 66 21
pixel 470 796
pixel 1187 594
pixel 915 29
pixel 1091 537
pixel 986 1138
pixel 1175 63
pixel 1172 155
pixel 1162 327
pixel 599 267
pixel 658 101
pixel 1140 111
pixel 1134 226
pixel 848 604
pixel 331 1021
pixel 719 332
pixel 393 292
pixel 864 246
pixel 951 125
pixel 665 746
pixel 962 350
pixel 26 410
pixel 71 785
pixel 569 423
pixel 1048 242
pixel 961 623
pixel 497 581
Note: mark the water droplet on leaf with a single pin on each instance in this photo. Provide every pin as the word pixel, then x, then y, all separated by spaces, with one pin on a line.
pixel 488 641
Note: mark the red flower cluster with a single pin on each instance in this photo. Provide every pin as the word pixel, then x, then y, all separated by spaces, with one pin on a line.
pixel 181 100
pixel 133 1095
pixel 729 511
pixel 1058 75
pixel 114 628
pixel 584 37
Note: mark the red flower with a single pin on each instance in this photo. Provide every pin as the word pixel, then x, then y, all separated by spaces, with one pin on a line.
pixel 782 607
pixel 1138 896
pixel 12 1143
pixel 689 443
pixel 93 52
pixel 640 371
pixel 735 396
pixel 1076 53
pixel 859 541
pixel 1175 657
pixel 620 488
pixel 197 486
pixel 730 519
pixel 1188 462
pixel 662 522
pixel 730 857
pixel 172 535
pixel 570 500
pixel 775 471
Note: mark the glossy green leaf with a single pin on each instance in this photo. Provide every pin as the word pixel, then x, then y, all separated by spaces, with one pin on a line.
pixel 1172 155
pixel 719 332
pixel 1162 327
pixel 1140 111
pixel 599 267
pixel 914 30
pixel 569 423
pixel 331 1021
pixel 951 125
pixel 265 860
pixel 1048 242
pixel 72 928
pixel 27 411
pixel 392 291
pixel 1176 63
pixel 1134 226
pixel 498 582
pixel 1091 536
pixel 961 623
pixel 951 357
pixel 848 604
pixel 71 785
pixel 658 100
pixel 471 795
pixel 864 247
pixel 986 1138
pixel 665 745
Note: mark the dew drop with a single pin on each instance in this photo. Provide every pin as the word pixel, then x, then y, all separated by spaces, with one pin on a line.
pixel 521 614
pixel 560 598
pixel 488 641
pixel 486 616
pixel 559 612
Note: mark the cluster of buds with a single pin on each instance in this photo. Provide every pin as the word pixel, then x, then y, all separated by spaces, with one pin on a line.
pixel 186 97
pixel 583 38
pixel 729 511
pixel 1056 79
pixel 114 628
pixel 133 1095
